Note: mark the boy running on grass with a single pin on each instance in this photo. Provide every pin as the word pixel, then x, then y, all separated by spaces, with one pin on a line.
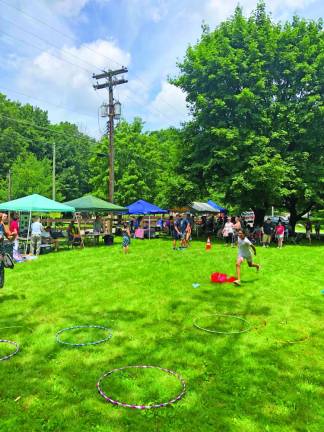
pixel 244 252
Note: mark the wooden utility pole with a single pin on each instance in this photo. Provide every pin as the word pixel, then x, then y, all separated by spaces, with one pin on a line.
pixel 110 83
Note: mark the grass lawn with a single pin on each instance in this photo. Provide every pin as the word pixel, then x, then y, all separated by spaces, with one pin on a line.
pixel 255 381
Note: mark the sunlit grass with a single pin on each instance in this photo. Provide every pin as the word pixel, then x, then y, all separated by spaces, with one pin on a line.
pixel 267 379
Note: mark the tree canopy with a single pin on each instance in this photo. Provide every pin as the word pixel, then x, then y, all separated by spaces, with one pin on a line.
pixel 255 89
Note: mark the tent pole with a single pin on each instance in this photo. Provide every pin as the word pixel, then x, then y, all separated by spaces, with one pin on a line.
pixel 149 227
pixel 28 233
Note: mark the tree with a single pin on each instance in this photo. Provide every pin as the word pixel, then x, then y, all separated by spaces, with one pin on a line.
pixel 25 129
pixel 145 165
pixel 30 175
pixel 255 89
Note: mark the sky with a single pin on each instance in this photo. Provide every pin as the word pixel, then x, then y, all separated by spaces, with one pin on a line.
pixel 50 48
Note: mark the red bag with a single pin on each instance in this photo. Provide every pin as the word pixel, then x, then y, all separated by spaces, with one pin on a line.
pixel 221 278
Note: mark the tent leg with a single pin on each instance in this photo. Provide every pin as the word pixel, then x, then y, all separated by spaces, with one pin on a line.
pixel 149 227
pixel 28 232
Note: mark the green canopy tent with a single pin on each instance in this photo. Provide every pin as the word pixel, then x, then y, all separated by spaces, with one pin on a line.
pixel 89 203
pixel 35 203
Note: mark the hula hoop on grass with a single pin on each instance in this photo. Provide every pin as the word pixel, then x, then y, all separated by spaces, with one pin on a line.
pixel 304 337
pixel 85 343
pixel 6 357
pixel 222 332
pixel 142 407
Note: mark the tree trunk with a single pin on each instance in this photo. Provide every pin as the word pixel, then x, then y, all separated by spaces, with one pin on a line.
pixel 294 216
pixel 259 215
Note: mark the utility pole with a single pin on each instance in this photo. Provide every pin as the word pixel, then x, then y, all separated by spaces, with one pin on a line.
pixel 112 113
pixel 53 172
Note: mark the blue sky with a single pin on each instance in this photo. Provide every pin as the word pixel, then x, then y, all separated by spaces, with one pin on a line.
pixel 50 48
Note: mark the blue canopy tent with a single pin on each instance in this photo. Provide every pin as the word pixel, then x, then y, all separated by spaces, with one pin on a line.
pixel 142 207
pixel 216 206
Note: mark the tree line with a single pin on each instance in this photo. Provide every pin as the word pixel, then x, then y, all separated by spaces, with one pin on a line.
pixel 255 93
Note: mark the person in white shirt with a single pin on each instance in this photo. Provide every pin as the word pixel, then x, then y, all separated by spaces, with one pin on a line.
pixel 36 237
pixel 244 252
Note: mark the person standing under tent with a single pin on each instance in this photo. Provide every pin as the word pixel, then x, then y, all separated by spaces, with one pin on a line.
pixel 36 237
pixel 280 232
pixel 126 237
pixel 244 253
pixel 14 230
pixel 176 231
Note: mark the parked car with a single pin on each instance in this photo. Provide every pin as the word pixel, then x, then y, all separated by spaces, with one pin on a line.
pixel 275 219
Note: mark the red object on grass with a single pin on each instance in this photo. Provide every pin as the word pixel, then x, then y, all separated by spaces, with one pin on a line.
pixel 221 278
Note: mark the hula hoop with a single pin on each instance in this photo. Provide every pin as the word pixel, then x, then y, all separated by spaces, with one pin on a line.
pixel 142 407
pixel 221 332
pixel 6 357
pixel 85 343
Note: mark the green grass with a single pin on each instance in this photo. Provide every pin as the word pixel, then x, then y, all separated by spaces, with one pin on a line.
pixel 257 381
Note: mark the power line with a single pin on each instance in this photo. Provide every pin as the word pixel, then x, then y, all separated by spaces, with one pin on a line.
pixel 51 44
pixel 44 128
pixel 41 49
pixel 78 66
pixel 47 102
pixel 90 49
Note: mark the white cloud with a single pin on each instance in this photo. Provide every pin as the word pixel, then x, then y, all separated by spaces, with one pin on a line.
pixel 70 85
pixel 168 107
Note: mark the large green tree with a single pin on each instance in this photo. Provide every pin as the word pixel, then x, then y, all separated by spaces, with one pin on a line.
pixel 255 89
pixel 147 166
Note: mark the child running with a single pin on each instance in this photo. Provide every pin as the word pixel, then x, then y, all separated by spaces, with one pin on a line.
pixel 244 252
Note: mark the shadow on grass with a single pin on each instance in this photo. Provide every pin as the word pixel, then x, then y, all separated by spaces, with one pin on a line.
pixel 245 384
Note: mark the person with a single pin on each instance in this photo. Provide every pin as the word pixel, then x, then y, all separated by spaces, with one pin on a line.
pixel 317 227
pixel 280 232
pixel 14 231
pixel 244 252
pixel 236 227
pixel 267 231
pixel 97 225
pixel 176 231
pixel 126 237
pixel 74 234
pixel 51 237
pixel 228 232
pixel 97 228
pixel 4 231
pixel 36 237
pixel 257 234
pixel 309 229
pixel 183 228
pixel 189 228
